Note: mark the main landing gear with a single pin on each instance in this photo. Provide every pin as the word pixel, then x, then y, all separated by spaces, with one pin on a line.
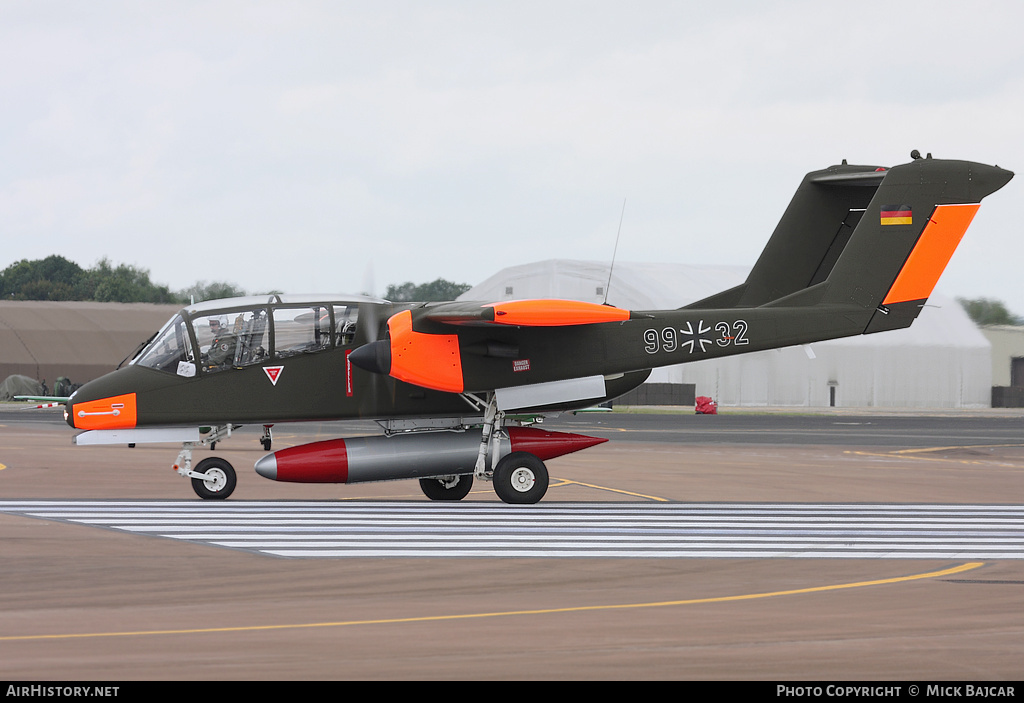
pixel 447 487
pixel 518 478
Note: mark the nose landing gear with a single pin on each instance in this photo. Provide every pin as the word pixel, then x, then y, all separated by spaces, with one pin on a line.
pixel 217 479
pixel 213 478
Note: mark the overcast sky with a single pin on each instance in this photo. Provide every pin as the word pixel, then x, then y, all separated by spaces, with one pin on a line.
pixel 329 146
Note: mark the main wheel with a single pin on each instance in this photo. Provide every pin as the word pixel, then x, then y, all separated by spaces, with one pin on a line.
pixel 219 482
pixel 447 487
pixel 520 478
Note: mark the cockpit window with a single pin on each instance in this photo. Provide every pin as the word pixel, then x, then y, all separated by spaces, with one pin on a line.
pixel 171 350
pixel 345 317
pixel 301 330
pixel 236 338
pixel 232 339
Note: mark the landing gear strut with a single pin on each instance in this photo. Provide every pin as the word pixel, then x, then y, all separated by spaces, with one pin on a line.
pixel 213 478
pixel 519 477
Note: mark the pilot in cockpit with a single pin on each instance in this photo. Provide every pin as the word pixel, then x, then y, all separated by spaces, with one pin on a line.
pixel 222 348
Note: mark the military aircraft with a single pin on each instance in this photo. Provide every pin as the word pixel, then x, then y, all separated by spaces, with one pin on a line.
pixel 455 385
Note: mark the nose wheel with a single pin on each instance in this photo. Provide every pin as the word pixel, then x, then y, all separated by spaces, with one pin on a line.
pixel 218 480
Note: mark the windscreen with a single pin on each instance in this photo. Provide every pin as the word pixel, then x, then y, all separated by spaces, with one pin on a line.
pixel 170 351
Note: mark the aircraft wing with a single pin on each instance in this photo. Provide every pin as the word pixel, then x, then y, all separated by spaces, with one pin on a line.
pixel 525 313
pixel 433 345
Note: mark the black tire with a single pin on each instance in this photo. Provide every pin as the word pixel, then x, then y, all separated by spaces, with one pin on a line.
pixel 521 478
pixel 221 481
pixel 266 444
pixel 443 489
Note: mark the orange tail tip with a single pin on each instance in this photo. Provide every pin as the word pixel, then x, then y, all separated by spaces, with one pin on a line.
pixel 932 252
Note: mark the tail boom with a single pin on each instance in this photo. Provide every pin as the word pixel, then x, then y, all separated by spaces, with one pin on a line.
pixel 859 250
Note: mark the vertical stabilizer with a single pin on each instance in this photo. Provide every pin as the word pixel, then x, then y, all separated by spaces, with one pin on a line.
pixel 809 238
pixel 907 235
pixel 867 241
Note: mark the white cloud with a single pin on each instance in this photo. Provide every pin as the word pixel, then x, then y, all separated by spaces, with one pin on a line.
pixel 284 145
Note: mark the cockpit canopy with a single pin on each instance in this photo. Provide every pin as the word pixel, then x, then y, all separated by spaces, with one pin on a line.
pixel 218 335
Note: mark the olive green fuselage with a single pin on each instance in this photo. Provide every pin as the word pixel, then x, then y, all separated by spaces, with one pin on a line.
pixel 857 251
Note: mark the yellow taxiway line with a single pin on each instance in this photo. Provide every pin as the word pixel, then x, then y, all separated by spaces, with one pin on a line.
pixel 917 452
pixel 507 613
pixel 569 482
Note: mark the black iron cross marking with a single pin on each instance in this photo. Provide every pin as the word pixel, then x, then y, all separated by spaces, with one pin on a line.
pixel 695 338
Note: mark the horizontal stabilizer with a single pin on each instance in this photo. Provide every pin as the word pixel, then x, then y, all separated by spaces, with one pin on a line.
pixel 43 398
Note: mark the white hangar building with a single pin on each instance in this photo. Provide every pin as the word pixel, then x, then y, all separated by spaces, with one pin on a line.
pixel 941 361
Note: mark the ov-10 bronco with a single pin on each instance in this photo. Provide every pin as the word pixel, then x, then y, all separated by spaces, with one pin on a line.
pixel 454 384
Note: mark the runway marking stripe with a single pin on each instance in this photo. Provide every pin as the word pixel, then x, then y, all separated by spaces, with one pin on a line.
pixel 510 613
pixel 618 554
pixel 418 538
pixel 722 522
pixel 427 506
pixel 330 530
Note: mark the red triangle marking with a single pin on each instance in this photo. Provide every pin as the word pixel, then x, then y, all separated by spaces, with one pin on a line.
pixel 273 373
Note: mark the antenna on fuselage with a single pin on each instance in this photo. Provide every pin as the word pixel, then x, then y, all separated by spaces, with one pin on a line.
pixel 615 251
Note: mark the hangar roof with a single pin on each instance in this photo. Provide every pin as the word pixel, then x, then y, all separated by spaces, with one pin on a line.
pixel 80 340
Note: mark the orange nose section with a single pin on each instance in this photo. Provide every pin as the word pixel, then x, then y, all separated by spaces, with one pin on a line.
pixel 116 413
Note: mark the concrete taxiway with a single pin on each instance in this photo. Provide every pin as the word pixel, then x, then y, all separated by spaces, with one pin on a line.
pixel 92 601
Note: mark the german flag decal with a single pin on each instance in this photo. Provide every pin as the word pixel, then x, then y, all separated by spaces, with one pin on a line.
pixel 896 215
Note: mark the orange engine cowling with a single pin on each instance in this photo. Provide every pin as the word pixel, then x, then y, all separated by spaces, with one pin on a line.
pixel 427 360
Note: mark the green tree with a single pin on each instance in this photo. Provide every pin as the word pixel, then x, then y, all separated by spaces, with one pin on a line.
pixel 425 292
pixel 56 278
pixel 214 290
pixel 52 278
pixel 125 284
pixel 985 311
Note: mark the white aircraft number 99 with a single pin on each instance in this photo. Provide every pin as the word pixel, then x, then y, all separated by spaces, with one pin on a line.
pixel 669 339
